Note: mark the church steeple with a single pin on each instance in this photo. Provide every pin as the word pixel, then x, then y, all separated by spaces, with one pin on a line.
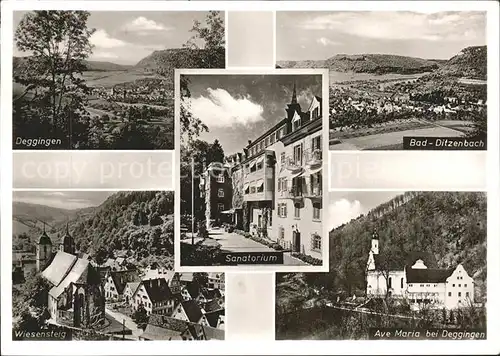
pixel 375 243
pixel 67 243
pixel 294 94
pixel 43 250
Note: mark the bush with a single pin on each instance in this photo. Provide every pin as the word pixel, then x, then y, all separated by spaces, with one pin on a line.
pixel 307 259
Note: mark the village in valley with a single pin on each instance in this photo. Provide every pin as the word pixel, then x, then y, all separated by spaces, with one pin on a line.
pixel 378 98
pixel 266 198
pixel 57 286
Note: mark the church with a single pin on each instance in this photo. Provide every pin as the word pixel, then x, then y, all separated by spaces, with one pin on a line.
pixel 416 282
pixel 77 295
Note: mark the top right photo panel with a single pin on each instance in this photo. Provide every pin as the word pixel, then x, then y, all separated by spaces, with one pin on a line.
pixel 398 80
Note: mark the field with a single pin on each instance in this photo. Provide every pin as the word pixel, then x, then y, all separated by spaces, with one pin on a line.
pixel 393 139
pixel 340 77
pixel 112 78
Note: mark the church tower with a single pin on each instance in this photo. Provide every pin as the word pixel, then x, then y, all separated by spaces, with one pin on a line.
pixel 375 243
pixel 43 251
pixel 294 105
pixel 67 243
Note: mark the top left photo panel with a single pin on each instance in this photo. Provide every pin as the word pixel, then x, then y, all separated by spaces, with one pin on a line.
pixel 104 80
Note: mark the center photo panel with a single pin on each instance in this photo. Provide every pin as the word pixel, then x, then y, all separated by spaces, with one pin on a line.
pixel 250 152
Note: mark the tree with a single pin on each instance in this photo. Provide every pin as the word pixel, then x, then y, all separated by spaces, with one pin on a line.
pixel 212 38
pixel 54 92
pixel 141 317
pixel 30 305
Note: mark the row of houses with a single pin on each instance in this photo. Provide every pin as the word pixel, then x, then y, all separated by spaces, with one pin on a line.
pixel 274 188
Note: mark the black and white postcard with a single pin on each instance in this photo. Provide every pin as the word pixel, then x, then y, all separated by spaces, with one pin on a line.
pixel 403 266
pixel 251 152
pixel 398 80
pixel 105 80
pixel 98 265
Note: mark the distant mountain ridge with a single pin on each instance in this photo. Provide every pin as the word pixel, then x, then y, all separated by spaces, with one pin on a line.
pixel 99 66
pixel 470 63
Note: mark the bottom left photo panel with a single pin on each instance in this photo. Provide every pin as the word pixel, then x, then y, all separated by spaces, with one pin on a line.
pixel 99 265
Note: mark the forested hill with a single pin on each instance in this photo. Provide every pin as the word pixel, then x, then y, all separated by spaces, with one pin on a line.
pixel 471 62
pixel 141 222
pixel 448 225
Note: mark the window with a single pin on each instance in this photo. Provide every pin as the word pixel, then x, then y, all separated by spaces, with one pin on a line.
pixel 465 285
pixel 402 282
pixel 421 285
pixel 316 211
pixel 282 233
pixel 466 294
pixel 220 206
pixel 297 155
pixel 220 178
pixel 453 284
pixel 390 282
pixel 449 294
pixel 297 211
pixel 282 158
pixel 410 285
pixel 273 138
pixel 220 193
pixel 459 294
pixel 316 143
pixel 267 141
pixel 316 242
pixel 460 285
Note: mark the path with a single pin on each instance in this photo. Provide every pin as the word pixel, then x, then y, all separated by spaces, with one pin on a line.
pixel 129 323
pixel 233 242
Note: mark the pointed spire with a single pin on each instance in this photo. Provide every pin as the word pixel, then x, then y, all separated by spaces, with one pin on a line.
pixel 67 227
pixel 43 227
pixel 294 95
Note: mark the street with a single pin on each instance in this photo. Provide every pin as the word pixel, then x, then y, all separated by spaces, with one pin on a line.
pixel 129 323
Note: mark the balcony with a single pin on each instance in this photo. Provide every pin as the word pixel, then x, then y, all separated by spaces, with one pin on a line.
pixel 313 191
pixel 296 162
pixel 314 158
pixel 294 193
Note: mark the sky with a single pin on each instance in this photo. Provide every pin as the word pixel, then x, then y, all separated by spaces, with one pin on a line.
pixel 321 35
pixel 129 36
pixel 62 199
pixel 238 108
pixel 345 206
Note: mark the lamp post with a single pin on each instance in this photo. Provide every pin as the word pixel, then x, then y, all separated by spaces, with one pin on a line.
pixel 192 201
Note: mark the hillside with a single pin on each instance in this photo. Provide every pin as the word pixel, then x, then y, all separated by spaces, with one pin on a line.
pixel 165 61
pixel 367 63
pixel 33 216
pixel 141 222
pixel 97 66
pixel 471 63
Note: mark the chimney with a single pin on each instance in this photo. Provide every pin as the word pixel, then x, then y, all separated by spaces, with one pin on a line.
pixel 249 142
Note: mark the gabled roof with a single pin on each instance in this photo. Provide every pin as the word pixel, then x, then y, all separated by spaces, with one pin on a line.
pixel 427 275
pixel 213 317
pixel 213 333
pixel 157 290
pixel 77 274
pixel 154 332
pixel 212 305
pixel 194 289
pixel 120 279
pixel 192 310
pixel 211 293
pixel 397 263
pixel 59 267
pixel 133 286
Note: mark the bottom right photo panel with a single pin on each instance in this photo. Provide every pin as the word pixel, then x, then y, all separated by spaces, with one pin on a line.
pixel 403 265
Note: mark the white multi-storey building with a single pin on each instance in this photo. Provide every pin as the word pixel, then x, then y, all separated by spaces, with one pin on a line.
pixel 420 285
pixel 282 183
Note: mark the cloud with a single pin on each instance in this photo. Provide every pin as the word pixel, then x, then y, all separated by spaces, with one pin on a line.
pixel 342 211
pixel 327 42
pixel 144 25
pixel 104 55
pixel 223 110
pixel 401 25
pixel 102 39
